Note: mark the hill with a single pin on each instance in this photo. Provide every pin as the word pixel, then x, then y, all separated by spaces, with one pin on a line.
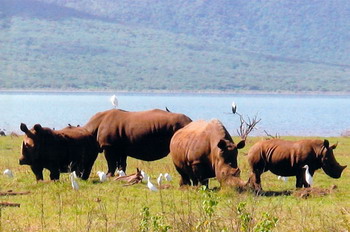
pixel 180 45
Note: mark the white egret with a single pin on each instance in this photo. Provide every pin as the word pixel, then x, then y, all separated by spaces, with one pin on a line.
pixel 8 173
pixel 151 186
pixel 234 108
pixel 102 176
pixel 308 176
pixel 114 101
pixel 121 173
pixel 284 178
pixel 167 177
pixel 159 179
pixel 75 185
pixel 144 175
pixel 75 174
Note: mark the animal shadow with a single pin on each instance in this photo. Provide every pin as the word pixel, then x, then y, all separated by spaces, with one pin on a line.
pixel 274 193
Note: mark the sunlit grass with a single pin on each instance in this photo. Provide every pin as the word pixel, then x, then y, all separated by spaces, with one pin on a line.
pixel 110 206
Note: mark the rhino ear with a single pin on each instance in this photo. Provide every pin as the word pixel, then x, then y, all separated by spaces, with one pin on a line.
pixel 326 143
pixel 241 144
pixel 222 144
pixel 334 146
pixel 38 128
pixel 24 128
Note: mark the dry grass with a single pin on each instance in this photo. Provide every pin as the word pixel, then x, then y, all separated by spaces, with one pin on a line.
pixel 110 206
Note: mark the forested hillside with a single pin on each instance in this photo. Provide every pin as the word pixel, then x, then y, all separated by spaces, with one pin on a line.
pixel 164 45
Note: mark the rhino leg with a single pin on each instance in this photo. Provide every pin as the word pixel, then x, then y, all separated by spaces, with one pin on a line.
pixel 185 179
pixel 38 172
pixel 255 180
pixel 198 175
pixel 121 162
pixel 300 179
pixel 88 166
pixel 111 160
pixel 54 174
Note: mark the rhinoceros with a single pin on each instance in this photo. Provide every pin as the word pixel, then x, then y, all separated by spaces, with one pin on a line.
pixel 288 158
pixel 69 149
pixel 143 135
pixel 203 150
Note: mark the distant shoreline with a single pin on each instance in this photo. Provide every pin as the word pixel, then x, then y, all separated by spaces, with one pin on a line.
pixel 313 93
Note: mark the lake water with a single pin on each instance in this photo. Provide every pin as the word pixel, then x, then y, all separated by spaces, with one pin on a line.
pixel 283 114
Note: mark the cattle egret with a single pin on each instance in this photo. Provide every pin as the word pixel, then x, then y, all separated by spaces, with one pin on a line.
pixel 144 175
pixel 234 108
pixel 74 174
pixel 308 176
pixel 284 178
pixel 8 173
pixel 114 101
pixel 121 173
pixel 167 177
pixel 159 179
pixel 151 186
pixel 75 185
pixel 102 176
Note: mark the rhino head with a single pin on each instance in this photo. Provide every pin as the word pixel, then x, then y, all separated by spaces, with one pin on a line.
pixel 30 144
pixel 226 167
pixel 329 164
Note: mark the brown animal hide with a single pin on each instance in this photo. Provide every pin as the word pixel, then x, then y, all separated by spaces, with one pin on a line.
pixel 288 158
pixel 202 150
pixel 131 179
pixel 142 135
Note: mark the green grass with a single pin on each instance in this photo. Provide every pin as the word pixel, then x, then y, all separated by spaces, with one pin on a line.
pixel 110 206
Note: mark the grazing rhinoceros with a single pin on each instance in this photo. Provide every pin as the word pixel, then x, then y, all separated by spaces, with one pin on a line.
pixel 202 150
pixel 69 149
pixel 288 158
pixel 142 135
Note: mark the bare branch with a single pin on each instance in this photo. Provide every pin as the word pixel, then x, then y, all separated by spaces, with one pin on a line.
pixel 246 127
pixel 271 136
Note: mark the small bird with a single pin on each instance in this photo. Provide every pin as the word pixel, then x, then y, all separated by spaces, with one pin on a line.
pixel 284 178
pixel 308 176
pixel 167 177
pixel 74 174
pixel 75 185
pixel 159 179
pixel 151 186
pixel 121 173
pixel 114 101
pixel 234 108
pixel 144 175
pixel 102 176
pixel 8 173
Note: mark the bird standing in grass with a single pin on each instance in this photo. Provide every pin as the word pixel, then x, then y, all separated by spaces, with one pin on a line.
pixel 151 186
pixel 75 185
pixel 121 173
pixel 159 179
pixel 8 173
pixel 102 176
pixel 308 176
pixel 167 177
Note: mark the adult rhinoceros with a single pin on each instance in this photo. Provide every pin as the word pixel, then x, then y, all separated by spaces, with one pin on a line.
pixel 202 150
pixel 58 151
pixel 143 135
pixel 288 158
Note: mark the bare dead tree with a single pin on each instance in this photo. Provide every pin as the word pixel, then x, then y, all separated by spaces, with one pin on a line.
pixel 247 126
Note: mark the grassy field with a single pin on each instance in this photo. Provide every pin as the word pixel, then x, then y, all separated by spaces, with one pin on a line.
pixel 110 206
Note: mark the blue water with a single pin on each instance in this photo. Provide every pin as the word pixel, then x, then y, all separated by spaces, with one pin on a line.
pixel 283 114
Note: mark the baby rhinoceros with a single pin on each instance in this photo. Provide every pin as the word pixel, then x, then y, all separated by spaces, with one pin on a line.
pixel 288 158
pixel 202 150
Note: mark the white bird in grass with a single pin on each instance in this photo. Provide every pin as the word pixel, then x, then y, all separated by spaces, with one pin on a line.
pixel 114 101
pixel 75 185
pixel 121 173
pixel 234 108
pixel 144 175
pixel 167 177
pixel 151 186
pixel 284 178
pixel 159 179
pixel 308 176
pixel 102 176
pixel 8 173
